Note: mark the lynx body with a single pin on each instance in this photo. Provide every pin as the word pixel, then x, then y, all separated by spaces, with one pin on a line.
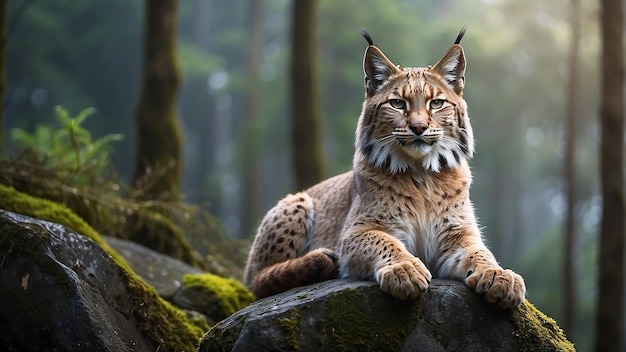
pixel 403 214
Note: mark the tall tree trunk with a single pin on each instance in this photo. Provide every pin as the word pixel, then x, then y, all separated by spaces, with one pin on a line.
pixel 251 167
pixel 609 318
pixel 305 105
pixel 158 163
pixel 159 146
pixel 3 51
pixel 569 265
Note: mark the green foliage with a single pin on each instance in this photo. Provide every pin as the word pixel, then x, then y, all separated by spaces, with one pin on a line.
pixel 69 149
pixel 68 166
pixel 74 55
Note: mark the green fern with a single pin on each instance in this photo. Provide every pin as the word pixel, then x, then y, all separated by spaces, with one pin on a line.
pixel 70 149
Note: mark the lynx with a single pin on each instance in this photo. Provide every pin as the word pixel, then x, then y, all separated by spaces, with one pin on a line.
pixel 403 214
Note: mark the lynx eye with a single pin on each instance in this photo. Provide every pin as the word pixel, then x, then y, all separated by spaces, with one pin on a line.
pixel 436 103
pixel 397 104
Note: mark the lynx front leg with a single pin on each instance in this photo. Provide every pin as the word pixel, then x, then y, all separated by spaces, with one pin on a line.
pixel 278 260
pixel 373 254
pixel 482 274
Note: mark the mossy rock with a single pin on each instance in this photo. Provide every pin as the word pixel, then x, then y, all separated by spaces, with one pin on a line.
pixel 27 242
pixel 214 296
pixel 175 228
pixel 343 315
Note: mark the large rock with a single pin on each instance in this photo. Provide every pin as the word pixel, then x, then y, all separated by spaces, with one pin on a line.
pixel 60 291
pixel 341 315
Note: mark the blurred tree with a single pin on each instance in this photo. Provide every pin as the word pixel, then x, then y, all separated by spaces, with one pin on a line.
pixel 569 265
pixel 306 118
pixel 158 162
pixel 3 48
pixel 609 318
pixel 251 158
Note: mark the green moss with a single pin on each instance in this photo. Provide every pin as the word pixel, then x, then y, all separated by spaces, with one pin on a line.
pixel 228 294
pixel 383 324
pixel 43 209
pixel 290 326
pixel 167 325
pixel 533 325
pixel 164 323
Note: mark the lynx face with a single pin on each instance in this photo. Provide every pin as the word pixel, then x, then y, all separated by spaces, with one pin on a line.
pixel 414 118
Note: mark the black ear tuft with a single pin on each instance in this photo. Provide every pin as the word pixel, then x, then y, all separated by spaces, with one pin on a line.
pixel 376 66
pixel 367 36
pixel 460 36
pixel 451 67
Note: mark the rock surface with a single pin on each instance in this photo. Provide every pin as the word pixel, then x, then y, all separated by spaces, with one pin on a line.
pixel 160 271
pixel 60 291
pixel 342 315
pixel 187 287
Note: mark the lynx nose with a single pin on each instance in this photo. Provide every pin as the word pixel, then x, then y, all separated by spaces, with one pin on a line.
pixel 418 128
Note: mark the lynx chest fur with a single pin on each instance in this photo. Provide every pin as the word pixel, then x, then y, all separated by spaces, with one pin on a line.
pixel 403 214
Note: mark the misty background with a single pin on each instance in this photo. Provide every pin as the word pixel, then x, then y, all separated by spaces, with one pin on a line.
pixel 89 54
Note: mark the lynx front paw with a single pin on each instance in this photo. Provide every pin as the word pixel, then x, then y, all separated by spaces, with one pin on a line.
pixel 502 287
pixel 404 279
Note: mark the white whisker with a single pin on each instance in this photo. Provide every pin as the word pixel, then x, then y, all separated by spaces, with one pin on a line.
pixel 387 137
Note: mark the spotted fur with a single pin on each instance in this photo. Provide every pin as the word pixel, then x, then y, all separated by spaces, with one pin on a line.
pixel 403 214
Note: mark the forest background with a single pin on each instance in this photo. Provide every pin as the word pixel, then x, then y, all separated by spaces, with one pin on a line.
pixel 89 54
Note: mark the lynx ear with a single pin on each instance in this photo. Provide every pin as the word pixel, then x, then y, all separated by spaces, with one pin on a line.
pixel 451 67
pixel 377 67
